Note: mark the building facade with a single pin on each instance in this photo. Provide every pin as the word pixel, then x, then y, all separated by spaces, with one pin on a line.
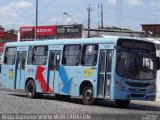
pixel 151 30
pixel 98 32
pixel 51 32
pixel 6 37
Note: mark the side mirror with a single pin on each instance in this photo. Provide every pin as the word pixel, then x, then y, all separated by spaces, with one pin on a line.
pixel 157 63
pixel 5 59
pixel 118 55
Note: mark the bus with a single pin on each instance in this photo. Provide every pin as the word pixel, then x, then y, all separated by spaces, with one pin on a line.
pixel 109 67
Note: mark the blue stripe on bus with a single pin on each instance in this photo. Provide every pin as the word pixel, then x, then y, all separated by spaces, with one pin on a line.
pixel 65 80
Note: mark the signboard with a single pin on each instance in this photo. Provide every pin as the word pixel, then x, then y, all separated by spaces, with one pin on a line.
pixel 25 31
pixel 46 30
pixel 124 43
pixel 69 31
pixel 1 47
pixel 41 30
pixel 1 32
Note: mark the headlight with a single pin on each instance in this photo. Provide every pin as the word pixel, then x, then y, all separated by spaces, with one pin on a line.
pixel 152 87
pixel 120 85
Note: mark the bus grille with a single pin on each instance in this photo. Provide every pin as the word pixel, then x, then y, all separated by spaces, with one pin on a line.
pixel 135 90
pixel 134 84
pixel 137 95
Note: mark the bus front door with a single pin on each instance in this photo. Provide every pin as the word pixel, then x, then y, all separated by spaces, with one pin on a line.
pixel 20 77
pixel 104 79
pixel 54 64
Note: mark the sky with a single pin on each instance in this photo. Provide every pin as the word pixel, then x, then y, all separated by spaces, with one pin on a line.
pixel 121 13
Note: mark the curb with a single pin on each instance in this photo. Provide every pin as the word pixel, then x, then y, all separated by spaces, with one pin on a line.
pixel 158 99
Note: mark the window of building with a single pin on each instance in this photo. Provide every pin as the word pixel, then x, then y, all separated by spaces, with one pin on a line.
pixel 89 55
pixel 10 56
pixel 39 55
pixel 71 55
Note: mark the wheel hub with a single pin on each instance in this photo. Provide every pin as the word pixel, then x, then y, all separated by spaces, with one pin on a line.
pixel 88 95
pixel 30 89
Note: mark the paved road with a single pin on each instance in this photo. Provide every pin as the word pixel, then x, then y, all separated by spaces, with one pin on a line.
pixel 15 102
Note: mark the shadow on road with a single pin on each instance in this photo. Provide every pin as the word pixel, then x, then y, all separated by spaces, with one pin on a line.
pixel 100 103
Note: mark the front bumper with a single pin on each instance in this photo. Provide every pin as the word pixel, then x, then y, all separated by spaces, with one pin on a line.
pixel 125 95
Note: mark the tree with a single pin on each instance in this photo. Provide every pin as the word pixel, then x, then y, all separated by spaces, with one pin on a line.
pixel 13 31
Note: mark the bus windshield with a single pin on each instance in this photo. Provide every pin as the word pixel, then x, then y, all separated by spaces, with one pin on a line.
pixel 135 64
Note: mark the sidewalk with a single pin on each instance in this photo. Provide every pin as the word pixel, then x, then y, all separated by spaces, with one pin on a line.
pixel 158 98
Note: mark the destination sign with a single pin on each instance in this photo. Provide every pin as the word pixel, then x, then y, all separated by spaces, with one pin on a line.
pixel 136 44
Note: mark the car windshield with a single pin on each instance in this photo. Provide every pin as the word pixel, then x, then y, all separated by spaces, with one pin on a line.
pixel 134 64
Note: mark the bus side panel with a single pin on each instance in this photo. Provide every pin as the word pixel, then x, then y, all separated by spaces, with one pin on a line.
pixel 8 76
pixel 31 73
pixel 40 75
pixel 158 83
pixel 66 76
pixel 90 74
pixel 74 76
pixel 76 80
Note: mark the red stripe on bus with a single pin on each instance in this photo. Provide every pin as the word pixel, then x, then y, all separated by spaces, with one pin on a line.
pixel 41 80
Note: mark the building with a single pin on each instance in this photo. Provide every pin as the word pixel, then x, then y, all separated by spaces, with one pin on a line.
pixel 151 30
pixel 112 32
pixel 69 31
pixel 51 32
pixel 6 37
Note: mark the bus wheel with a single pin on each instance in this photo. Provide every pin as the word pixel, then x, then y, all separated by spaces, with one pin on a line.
pixel 122 103
pixel 87 96
pixel 30 89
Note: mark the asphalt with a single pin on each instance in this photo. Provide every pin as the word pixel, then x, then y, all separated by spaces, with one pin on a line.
pixel 15 102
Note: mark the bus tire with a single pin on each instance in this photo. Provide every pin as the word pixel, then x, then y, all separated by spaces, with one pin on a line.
pixel 122 103
pixel 31 89
pixel 87 95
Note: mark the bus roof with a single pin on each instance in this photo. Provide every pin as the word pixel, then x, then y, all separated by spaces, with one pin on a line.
pixel 101 39
pixel 154 40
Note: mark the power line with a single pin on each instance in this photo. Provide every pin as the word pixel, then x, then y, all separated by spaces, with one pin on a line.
pixel 36 19
pixel 100 15
pixel 89 19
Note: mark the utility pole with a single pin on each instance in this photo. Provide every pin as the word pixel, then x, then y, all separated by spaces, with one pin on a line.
pixel 89 19
pixel 101 16
pixel 36 20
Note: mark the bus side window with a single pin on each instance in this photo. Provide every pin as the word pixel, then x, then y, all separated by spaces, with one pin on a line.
pixel 109 60
pixel 33 55
pixel 10 56
pixel 71 55
pixel 89 55
pixel 64 60
pixel 29 61
pixel 52 55
pixel 39 55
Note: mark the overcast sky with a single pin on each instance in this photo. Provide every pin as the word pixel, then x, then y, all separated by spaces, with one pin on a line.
pixel 121 13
